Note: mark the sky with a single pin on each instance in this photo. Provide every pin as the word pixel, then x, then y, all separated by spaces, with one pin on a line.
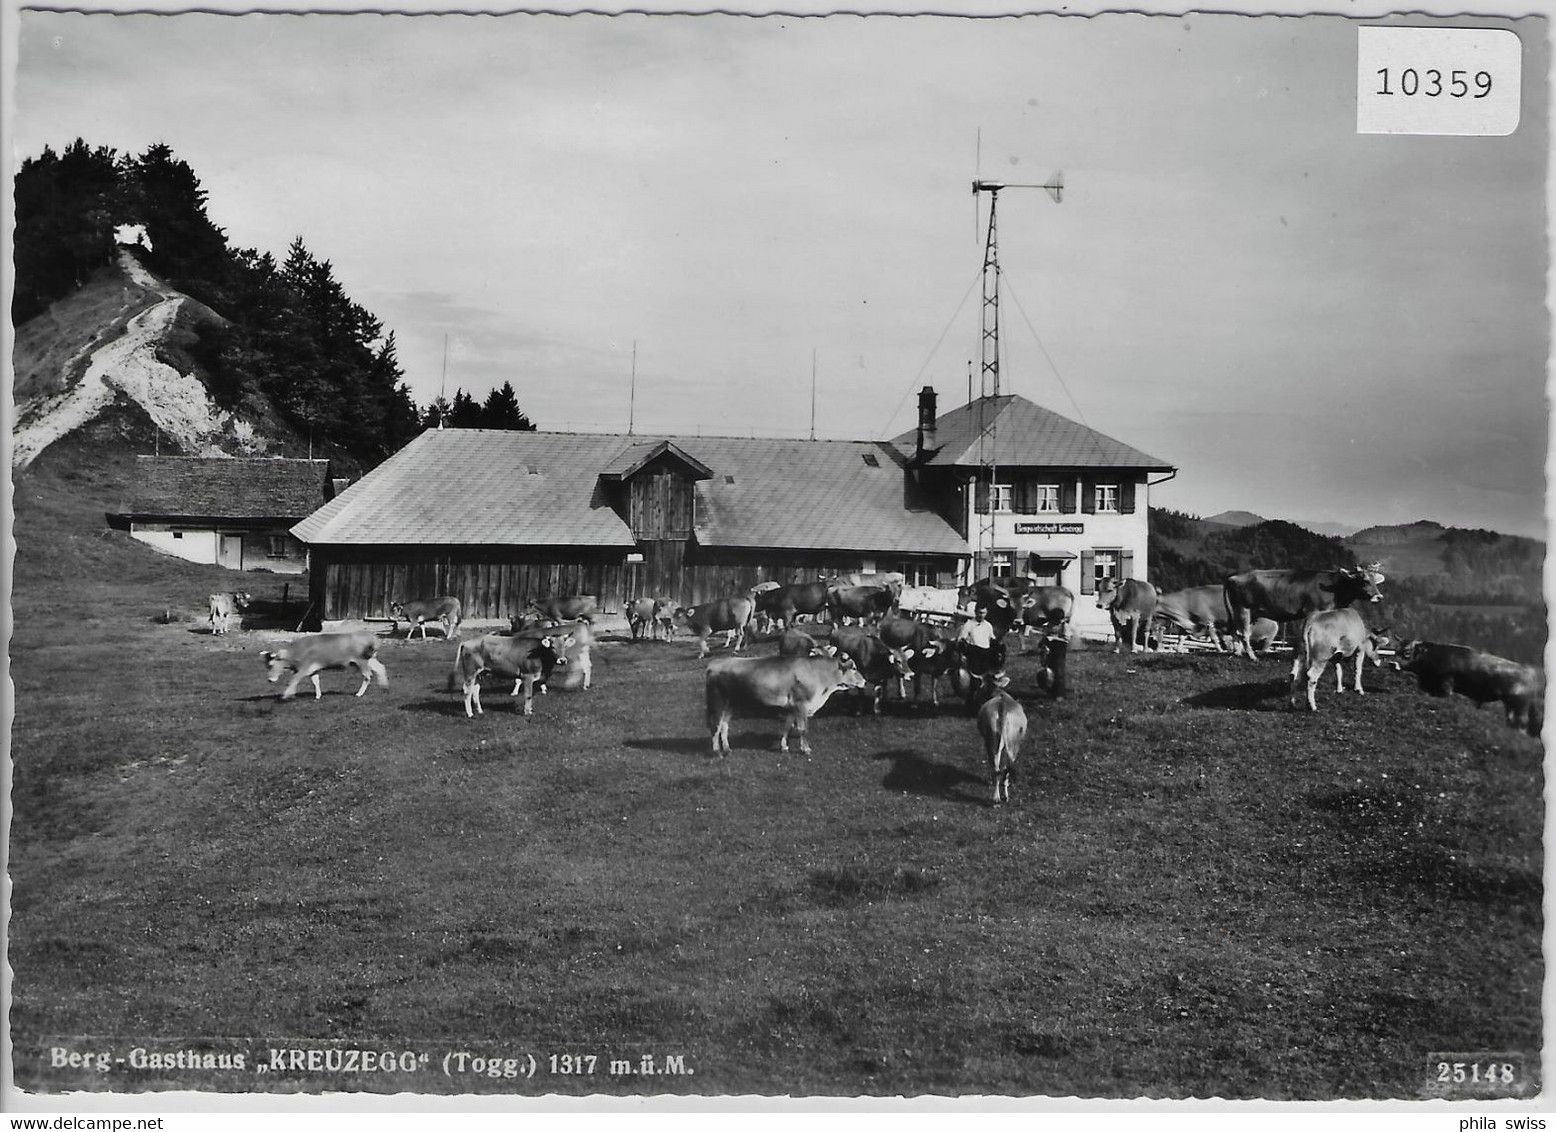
pixel 1308 322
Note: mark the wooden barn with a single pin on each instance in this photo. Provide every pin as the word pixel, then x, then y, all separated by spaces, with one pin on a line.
pixel 497 518
pixel 235 512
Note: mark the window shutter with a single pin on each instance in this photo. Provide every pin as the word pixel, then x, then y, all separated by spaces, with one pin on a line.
pixel 1026 495
pixel 1126 564
pixel 1088 497
pixel 1126 497
pixel 1067 496
pixel 981 497
pixel 1088 572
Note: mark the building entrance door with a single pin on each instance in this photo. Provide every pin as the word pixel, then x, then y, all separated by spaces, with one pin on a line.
pixel 229 551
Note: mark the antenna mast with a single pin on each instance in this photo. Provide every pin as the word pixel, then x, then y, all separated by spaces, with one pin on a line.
pixel 813 393
pixel 632 401
pixel 987 411
pixel 443 386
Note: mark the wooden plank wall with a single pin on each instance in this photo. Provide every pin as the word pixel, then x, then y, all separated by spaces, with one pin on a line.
pixel 500 589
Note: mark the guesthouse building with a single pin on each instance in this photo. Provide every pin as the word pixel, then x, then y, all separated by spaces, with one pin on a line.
pixel 499 518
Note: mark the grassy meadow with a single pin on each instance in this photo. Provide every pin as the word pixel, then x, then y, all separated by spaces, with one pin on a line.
pixel 1197 891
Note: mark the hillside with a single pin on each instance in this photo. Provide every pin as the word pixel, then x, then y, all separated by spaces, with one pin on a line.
pixel 224 349
pixel 1471 587
pixel 115 353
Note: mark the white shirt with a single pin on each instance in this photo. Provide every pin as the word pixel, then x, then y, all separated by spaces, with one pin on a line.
pixel 979 634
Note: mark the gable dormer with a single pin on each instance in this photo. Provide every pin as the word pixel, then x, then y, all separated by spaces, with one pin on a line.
pixel 653 488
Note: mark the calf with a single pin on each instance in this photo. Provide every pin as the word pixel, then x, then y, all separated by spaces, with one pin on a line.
pixel 794 686
pixel 1442 670
pixel 1003 724
pixel 224 607
pixel 731 614
pixel 528 660
pixel 445 610
pixel 1131 603
pixel 1333 634
pixel 308 656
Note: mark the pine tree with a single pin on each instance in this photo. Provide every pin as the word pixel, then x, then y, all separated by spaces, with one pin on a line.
pixel 464 412
pixel 502 410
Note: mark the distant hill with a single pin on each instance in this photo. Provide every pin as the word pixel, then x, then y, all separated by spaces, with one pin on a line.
pixel 1328 530
pixel 1234 519
pixel 1186 551
pixel 1454 561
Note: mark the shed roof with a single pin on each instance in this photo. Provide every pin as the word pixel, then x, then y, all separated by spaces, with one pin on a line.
pixel 1025 435
pixel 474 487
pixel 227 487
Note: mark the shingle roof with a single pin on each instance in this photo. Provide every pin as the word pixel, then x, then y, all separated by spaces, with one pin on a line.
pixel 472 486
pixel 226 487
pixel 1025 435
pixel 640 452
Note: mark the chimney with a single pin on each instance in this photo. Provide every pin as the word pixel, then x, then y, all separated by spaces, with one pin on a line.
pixel 926 419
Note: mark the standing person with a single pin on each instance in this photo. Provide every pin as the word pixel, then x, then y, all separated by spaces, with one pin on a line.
pixel 985 656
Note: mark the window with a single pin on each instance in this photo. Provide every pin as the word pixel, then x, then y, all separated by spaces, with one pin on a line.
pixel 1104 567
pixel 178 534
pixel 1048 498
pixel 1002 562
pixel 1107 498
pixel 278 547
pixel 1001 496
pixel 870 460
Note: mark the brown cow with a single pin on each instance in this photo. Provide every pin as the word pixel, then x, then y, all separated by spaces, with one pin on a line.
pixel 796 686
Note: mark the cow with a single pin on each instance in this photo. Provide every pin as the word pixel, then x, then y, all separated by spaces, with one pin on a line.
pixel 1442 670
pixel 445 610
pixel 1333 635
pixel 931 652
pixel 649 615
pixel 1131 603
pixel 794 642
pixel 1290 595
pixel 1003 724
pixel 308 656
pixel 795 686
pixel 665 610
pixel 570 608
pixel 785 603
pixel 574 641
pixel 1000 609
pixel 730 614
pixel 865 603
pixel 1197 611
pixel 527 659
pixel 226 606
pixel 1045 610
pixel 877 661
pixel 1200 611
pixel 892 580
